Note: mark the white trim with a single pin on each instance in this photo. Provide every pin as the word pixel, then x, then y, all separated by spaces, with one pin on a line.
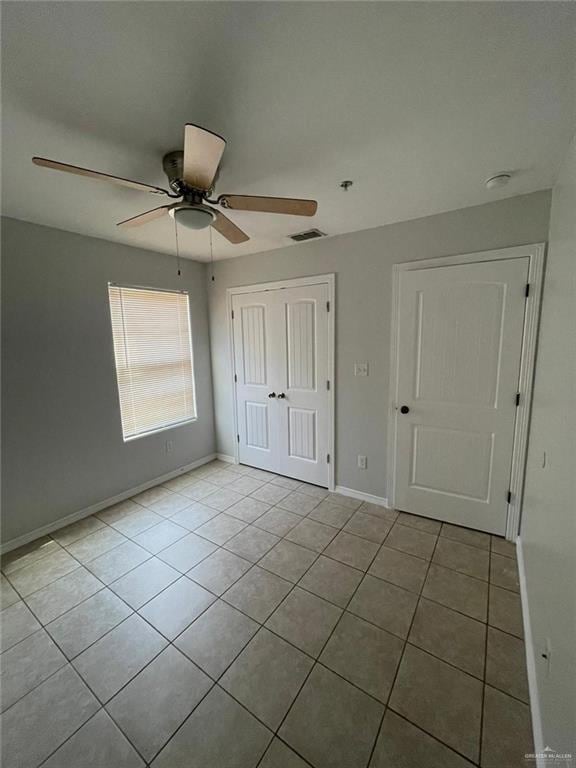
pixel 330 281
pixel 93 508
pixel 530 658
pixel 535 254
pixel 525 387
pixel 294 282
pixel 382 501
pixel 226 458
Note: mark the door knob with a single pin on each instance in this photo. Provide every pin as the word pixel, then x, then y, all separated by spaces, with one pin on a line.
pixel 272 394
pixel 404 409
pixel 281 396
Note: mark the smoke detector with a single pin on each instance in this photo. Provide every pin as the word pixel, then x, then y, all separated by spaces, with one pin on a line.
pixel 498 180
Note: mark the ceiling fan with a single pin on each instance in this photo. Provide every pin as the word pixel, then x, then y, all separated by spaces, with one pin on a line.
pixel 191 176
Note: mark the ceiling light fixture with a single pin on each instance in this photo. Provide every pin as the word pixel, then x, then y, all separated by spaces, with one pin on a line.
pixel 193 216
pixel 499 180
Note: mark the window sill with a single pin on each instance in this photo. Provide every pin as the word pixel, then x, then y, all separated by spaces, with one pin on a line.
pixel 160 429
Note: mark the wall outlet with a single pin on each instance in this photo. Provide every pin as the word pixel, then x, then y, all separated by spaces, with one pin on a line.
pixel 362 462
pixel 360 369
pixel 168 446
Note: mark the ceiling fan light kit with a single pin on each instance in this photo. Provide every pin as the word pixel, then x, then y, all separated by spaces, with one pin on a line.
pixel 193 216
pixel 191 176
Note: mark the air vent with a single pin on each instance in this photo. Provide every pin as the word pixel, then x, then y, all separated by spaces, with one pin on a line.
pixel 310 234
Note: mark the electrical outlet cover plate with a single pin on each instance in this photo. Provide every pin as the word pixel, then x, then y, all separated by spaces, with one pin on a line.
pixel 360 369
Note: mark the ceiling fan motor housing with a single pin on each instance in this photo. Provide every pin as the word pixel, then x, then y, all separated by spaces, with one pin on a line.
pixel 173 165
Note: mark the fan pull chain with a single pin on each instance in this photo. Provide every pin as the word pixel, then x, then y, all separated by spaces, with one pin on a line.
pixel 211 256
pixel 178 270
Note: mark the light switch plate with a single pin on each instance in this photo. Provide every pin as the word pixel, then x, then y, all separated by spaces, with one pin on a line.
pixel 360 369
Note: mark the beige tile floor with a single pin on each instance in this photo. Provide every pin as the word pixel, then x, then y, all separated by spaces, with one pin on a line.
pixel 232 619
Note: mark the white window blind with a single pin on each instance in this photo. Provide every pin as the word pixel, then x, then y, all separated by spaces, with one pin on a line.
pixel 153 350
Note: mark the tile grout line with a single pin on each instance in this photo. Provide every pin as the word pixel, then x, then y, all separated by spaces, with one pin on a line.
pixel 69 662
pixel 405 717
pixel 193 530
pixel 169 643
pixel 401 657
pixel 261 625
pixel 136 610
pixel 102 706
pixel 317 660
pixel 487 625
pixel 485 656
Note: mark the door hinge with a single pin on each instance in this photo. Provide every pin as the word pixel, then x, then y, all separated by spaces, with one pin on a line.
pixel 327 458
pixel 328 385
pixel 327 306
pixel 232 314
pixel 237 438
pixel 517 399
pixel 235 378
pixel 527 291
pixel 509 497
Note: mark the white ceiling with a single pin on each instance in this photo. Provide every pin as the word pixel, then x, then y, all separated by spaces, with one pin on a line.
pixel 417 103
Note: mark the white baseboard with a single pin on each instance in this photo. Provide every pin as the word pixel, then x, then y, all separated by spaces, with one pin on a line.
pixel 226 458
pixel 93 508
pixel 380 500
pixel 530 659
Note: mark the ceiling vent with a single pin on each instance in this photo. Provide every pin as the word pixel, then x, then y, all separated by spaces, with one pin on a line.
pixel 310 234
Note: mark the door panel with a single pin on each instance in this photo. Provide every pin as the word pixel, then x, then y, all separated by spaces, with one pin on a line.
pixel 304 412
pixel 253 323
pixel 254 359
pixel 460 342
pixel 301 344
pixel 455 323
pixel 256 425
pixel 452 461
pixel 302 434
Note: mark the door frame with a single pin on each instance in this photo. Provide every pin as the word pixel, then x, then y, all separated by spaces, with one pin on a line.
pixel 297 282
pixel 535 254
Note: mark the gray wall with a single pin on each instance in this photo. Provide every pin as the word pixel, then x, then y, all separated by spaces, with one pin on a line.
pixel 363 263
pixel 548 529
pixel 62 437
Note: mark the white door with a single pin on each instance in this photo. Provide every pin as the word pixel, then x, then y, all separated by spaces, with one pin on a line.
pixel 256 361
pixel 281 349
pixel 459 349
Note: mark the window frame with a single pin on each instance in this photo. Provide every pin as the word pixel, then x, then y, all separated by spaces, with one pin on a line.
pixel 175 424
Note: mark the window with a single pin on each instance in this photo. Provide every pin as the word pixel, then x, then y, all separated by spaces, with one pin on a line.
pixel 153 351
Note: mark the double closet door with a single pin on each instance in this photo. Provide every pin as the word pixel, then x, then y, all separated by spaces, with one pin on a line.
pixel 282 381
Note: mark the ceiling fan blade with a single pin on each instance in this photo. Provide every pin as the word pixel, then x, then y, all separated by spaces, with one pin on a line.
pixel 228 229
pixel 144 218
pixel 293 206
pixel 56 166
pixel 202 154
